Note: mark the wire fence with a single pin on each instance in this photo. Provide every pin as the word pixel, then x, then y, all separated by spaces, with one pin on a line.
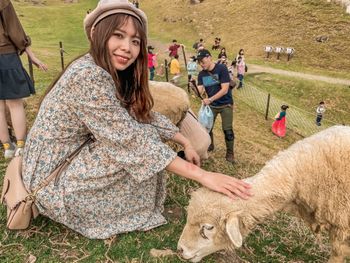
pixel 299 120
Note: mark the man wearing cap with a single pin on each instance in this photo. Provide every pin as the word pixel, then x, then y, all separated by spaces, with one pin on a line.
pixel 214 79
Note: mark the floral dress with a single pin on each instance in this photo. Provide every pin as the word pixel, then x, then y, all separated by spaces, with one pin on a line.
pixel 115 184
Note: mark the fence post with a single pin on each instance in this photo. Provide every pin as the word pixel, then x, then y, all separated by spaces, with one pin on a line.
pixel 30 64
pixel 183 53
pixel 267 106
pixel 166 70
pixel 61 51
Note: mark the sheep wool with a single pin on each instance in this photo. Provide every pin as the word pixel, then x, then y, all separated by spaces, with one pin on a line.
pixel 169 100
pixel 311 179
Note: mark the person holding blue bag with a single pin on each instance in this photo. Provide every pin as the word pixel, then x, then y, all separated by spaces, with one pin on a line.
pixel 214 79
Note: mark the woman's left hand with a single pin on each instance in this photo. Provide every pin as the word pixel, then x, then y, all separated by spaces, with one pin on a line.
pixel 38 63
pixel 191 155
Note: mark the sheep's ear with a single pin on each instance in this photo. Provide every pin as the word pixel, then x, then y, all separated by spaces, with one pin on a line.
pixel 233 232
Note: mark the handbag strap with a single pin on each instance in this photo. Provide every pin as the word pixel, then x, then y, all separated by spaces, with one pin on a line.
pixel 57 172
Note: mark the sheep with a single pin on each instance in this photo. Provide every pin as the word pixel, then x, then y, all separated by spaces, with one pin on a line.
pixel 311 179
pixel 173 102
pixel 169 100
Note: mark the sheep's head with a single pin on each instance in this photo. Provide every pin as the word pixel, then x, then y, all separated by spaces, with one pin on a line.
pixel 212 225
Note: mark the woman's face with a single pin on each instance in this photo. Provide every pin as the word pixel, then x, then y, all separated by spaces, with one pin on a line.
pixel 124 46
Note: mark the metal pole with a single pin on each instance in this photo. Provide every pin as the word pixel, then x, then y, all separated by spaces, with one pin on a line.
pixel 267 106
pixel 183 52
pixel 61 51
pixel 30 64
pixel 166 70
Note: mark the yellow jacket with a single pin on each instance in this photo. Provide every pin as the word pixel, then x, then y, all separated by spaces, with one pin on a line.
pixel 174 66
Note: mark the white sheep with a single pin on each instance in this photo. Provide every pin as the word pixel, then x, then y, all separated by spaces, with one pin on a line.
pixel 311 179
pixel 169 100
pixel 173 102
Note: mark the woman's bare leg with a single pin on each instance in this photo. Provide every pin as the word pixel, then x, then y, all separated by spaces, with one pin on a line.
pixel 4 132
pixel 18 118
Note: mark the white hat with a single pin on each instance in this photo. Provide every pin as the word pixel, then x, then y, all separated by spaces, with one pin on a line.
pixel 109 7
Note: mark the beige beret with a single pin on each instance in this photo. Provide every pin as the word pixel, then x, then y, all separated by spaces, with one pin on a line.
pixel 109 7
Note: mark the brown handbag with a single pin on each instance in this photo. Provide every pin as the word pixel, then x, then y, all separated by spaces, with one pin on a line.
pixel 20 203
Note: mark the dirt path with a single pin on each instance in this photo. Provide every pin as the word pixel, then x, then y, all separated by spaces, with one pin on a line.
pixel 258 68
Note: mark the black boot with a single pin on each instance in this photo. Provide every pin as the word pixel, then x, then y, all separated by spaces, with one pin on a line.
pixel 230 157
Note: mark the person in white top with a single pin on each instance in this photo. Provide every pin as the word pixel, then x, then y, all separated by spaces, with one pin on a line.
pixel 319 112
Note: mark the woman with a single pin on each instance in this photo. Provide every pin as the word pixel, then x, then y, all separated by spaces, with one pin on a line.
pixel 116 184
pixel 240 71
pixel 15 83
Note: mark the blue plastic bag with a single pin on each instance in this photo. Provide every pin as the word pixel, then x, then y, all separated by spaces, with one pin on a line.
pixel 206 117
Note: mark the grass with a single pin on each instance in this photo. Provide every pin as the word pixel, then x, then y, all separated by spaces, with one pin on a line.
pixel 281 239
pixel 254 24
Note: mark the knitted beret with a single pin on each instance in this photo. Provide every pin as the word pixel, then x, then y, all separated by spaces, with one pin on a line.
pixel 109 7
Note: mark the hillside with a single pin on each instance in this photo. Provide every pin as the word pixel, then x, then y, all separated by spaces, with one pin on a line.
pixel 253 24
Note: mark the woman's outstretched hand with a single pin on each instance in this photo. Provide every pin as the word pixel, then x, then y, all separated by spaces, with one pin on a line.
pixel 230 186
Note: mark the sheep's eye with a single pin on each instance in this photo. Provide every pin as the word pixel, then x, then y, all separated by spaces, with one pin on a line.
pixel 205 227
pixel 208 227
pixel 201 232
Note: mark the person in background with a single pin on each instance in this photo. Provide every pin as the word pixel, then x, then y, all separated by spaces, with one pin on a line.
pixel 214 79
pixel 192 71
pixel 196 44
pixel 116 184
pixel 320 110
pixel 15 84
pixel 240 54
pixel 222 53
pixel 222 60
pixel 240 71
pixel 136 3
pixel 175 67
pixel 152 59
pixel 173 49
pixel 279 126
pixel 217 42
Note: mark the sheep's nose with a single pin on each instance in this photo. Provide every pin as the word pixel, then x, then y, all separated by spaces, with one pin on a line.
pixel 180 250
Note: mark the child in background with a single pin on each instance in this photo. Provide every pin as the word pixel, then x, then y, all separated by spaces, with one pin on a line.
pixel 152 60
pixel 192 71
pixel 280 123
pixel 175 65
pixel 319 112
pixel 240 71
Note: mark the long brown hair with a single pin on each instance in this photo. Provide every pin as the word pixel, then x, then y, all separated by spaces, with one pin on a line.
pixel 132 83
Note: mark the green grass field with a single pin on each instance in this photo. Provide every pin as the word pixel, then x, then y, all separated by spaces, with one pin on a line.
pixel 282 238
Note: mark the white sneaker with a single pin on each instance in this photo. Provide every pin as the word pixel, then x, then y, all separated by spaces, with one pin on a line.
pixel 19 152
pixel 9 153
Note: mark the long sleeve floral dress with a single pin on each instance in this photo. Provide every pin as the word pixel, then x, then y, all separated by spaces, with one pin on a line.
pixel 115 184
